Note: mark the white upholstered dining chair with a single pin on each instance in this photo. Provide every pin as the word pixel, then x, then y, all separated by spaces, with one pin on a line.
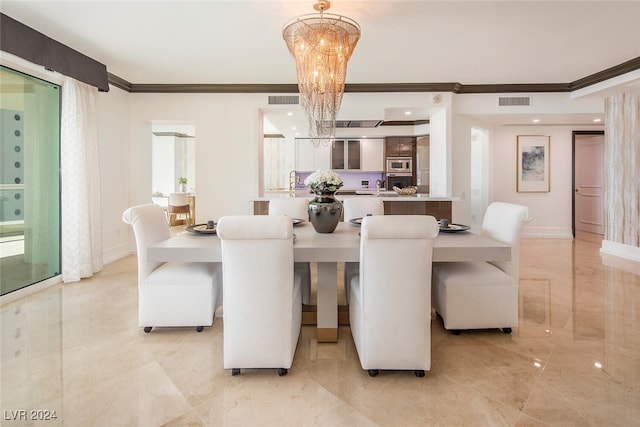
pixel 295 207
pixel 170 293
pixel 390 308
pixel 483 295
pixel 262 296
pixel 361 206
pixel 358 207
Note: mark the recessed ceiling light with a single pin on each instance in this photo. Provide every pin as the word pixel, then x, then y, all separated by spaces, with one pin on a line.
pixel 407 113
pixel 597 120
pixel 289 113
pixel 293 128
pixel 536 120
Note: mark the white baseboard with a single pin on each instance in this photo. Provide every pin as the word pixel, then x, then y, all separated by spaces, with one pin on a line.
pixel 113 254
pixel 548 232
pixel 620 250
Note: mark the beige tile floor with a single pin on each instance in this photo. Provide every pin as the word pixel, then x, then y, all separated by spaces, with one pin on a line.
pixel 574 360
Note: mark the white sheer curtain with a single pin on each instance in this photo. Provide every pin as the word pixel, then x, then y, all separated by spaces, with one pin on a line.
pixel 81 218
pixel 278 163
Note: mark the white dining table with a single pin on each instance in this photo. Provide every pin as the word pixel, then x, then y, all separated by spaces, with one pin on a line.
pixel 327 250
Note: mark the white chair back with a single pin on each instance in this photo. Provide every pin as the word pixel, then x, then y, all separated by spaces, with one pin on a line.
pixel 294 207
pixel 149 224
pixel 390 305
pixel 262 301
pixel 504 222
pixel 361 206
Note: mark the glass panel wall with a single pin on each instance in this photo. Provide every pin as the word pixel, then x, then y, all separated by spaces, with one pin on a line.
pixel 30 180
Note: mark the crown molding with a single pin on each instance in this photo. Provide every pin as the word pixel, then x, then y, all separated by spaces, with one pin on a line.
pixel 119 82
pixel 453 87
pixel 214 88
pixel 615 71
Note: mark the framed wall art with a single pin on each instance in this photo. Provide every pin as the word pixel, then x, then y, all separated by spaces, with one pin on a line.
pixel 533 164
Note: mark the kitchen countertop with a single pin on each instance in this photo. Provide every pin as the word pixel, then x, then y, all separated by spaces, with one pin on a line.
pixel 385 195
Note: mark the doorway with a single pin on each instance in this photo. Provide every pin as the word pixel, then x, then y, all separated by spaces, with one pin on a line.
pixel 588 182
pixel 479 175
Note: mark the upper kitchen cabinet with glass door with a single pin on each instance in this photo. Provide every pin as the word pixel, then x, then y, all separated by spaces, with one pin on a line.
pixel 346 154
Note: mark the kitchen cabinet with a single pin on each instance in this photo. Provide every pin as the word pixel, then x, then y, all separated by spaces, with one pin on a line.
pixel 372 155
pixel 400 146
pixel 346 154
pixel 310 158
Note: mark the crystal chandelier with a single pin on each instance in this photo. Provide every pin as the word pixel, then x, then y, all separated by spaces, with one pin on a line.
pixel 321 44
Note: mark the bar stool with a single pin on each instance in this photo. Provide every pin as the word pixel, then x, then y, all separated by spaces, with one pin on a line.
pixel 179 205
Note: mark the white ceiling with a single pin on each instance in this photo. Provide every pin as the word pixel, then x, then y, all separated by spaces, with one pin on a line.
pixel 403 41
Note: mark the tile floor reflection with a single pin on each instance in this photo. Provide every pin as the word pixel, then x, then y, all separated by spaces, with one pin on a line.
pixel 574 360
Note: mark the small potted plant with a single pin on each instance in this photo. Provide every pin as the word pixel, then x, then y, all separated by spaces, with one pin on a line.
pixel 182 184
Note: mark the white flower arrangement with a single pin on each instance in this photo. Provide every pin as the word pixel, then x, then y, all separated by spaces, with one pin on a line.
pixel 324 180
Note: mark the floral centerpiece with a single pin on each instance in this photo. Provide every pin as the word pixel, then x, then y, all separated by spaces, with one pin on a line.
pixel 324 181
pixel 324 210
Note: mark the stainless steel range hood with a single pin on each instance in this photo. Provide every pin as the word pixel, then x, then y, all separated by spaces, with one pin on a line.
pixel 342 124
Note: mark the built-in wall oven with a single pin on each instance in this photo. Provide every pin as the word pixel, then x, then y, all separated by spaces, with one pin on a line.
pixel 400 180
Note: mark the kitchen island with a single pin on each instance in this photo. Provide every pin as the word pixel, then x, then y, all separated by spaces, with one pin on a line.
pixel 394 204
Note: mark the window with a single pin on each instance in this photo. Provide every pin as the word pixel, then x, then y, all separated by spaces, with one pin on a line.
pixel 30 180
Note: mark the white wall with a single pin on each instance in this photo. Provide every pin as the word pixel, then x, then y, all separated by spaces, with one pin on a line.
pixel 226 149
pixel 115 178
pixel 552 211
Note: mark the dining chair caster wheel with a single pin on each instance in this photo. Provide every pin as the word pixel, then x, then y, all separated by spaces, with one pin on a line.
pixel 373 372
pixel 147 329
pixel 199 328
pixel 506 330
pixel 419 373
pixel 282 372
pixel 235 371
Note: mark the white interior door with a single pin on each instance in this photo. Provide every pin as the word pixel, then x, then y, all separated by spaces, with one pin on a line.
pixel 589 206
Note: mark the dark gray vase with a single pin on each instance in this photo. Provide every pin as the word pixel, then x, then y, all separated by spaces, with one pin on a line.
pixel 325 212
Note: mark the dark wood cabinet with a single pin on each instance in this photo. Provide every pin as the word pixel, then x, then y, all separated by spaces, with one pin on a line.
pixel 400 146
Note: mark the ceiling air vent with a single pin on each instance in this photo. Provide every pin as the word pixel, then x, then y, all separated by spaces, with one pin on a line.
pixel 284 100
pixel 514 101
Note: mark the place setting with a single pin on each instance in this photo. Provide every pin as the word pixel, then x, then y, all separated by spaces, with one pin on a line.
pixel 207 228
pixel 446 227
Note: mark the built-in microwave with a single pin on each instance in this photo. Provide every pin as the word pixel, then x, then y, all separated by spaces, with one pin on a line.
pixel 399 165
